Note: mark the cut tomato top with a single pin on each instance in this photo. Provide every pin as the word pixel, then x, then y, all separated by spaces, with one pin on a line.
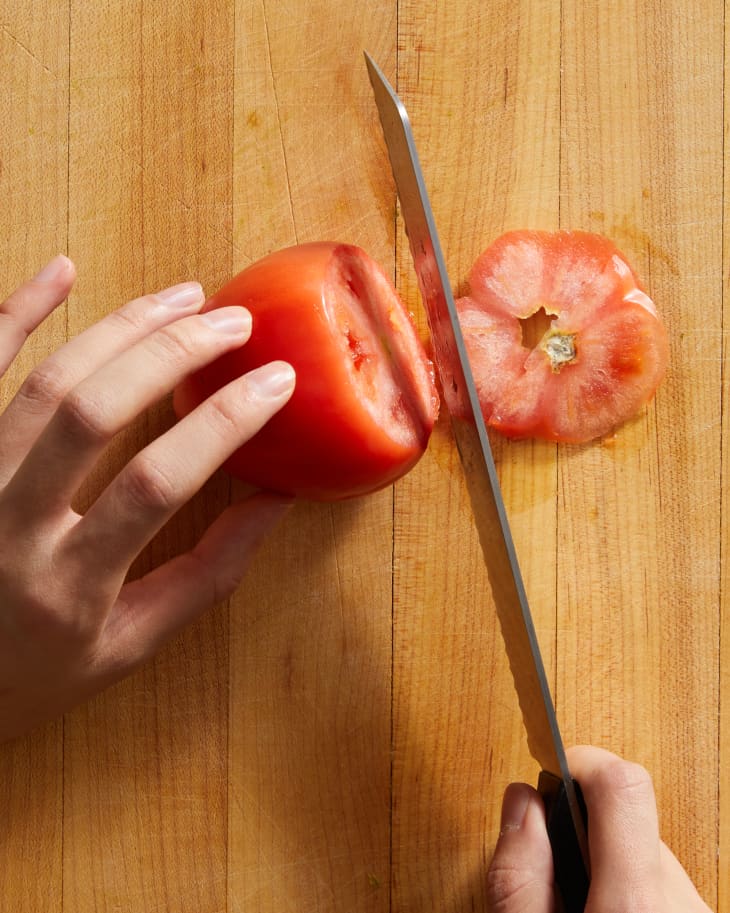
pixel 365 399
pixel 596 365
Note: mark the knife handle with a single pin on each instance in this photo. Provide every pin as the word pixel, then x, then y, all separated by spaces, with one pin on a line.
pixel 571 874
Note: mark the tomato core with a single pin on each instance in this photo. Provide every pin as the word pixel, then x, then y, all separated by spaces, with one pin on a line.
pixel 560 349
pixel 538 333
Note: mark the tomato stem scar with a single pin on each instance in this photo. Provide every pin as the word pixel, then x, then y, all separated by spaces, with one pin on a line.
pixel 560 349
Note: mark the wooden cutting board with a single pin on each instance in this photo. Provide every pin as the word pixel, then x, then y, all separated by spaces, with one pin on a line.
pixel 337 737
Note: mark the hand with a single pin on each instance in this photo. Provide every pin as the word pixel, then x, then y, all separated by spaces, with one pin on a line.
pixel 69 623
pixel 631 869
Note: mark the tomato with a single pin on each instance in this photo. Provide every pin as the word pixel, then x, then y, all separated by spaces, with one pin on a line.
pixel 602 350
pixel 365 400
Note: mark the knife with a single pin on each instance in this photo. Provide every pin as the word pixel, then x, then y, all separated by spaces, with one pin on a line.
pixel 565 810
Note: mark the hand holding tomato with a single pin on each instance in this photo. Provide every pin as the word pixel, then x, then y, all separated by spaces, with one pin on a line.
pixel 69 624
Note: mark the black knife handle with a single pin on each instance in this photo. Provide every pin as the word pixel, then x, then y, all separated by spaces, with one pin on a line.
pixel 571 874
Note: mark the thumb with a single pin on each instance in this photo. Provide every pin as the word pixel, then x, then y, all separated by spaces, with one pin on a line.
pixel 520 876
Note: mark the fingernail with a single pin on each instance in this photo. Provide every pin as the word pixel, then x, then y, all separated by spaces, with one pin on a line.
pixel 273 380
pixel 52 269
pixel 514 807
pixel 234 320
pixel 183 295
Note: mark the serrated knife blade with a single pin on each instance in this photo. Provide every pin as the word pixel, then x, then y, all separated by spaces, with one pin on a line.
pixel 566 813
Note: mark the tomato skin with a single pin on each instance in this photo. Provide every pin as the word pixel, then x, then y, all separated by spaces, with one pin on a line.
pixel 365 401
pixel 600 361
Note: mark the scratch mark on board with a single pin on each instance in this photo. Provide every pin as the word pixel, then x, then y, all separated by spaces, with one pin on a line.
pixel 278 120
pixel 19 44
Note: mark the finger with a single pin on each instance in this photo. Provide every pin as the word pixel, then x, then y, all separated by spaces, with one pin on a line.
pixel 154 608
pixel 520 875
pixel 30 304
pixel 168 472
pixel 45 387
pixel 91 414
pixel 623 830
pixel 679 886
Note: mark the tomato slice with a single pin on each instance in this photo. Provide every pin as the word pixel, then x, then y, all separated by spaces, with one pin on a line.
pixel 598 361
pixel 365 400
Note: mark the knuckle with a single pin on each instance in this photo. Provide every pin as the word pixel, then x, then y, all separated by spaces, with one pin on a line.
pixel 221 581
pixel 176 343
pixel 626 779
pixel 133 317
pixel 44 387
pixel 227 415
pixel 508 885
pixel 85 415
pixel 146 485
pixel 75 629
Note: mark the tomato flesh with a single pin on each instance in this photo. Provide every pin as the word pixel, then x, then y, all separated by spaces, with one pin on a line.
pixel 365 400
pixel 598 362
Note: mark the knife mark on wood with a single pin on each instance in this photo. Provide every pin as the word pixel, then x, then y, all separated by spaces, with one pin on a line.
pixel 278 120
pixel 19 44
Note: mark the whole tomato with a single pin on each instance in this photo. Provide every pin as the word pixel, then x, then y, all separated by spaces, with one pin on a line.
pixel 365 400
pixel 601 351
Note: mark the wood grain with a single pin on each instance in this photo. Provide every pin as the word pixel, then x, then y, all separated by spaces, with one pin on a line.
pixel 723 901
pixel 311 655
pixel 640 592
pixel 489 142
pixel 150 174
pixel 338 737
pixel 33 228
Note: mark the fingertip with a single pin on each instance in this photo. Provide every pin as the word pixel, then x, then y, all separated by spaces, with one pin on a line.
pixel 523 829
pixel 273 381
pixel 252 518
pixel 67 265
pixel 29 305
pixel 181 297
pixel 233 319
pixel 520 875
pixel 271 505
pixel 523 813
pixel 515 804
pixel 60 268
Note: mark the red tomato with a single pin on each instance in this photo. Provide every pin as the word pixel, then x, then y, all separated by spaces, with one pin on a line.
pixel 365 401
pixel 597 364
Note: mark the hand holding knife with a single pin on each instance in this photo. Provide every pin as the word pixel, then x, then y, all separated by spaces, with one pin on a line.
pixel 564 807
